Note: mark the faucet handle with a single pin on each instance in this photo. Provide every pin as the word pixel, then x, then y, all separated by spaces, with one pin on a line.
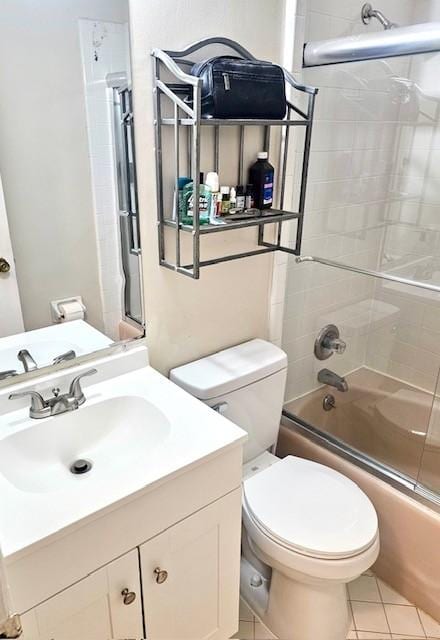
pixel 39 407
pixel 69 355
pixel 328 342
pixel 8 374
pixel 75 390
pixel 336 344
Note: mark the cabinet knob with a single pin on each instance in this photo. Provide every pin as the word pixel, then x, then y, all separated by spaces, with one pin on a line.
pixel 5 267
pixel 161 575
pixel 128 597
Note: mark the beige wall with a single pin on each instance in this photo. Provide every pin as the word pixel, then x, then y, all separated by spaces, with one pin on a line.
pixel 229 304
pixel 44 152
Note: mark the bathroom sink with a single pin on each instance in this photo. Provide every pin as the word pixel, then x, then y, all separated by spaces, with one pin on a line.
pixel 112 435
pixel 136 429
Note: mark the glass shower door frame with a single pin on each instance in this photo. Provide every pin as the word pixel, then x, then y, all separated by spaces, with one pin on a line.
pixel 423 484
pixel 127 194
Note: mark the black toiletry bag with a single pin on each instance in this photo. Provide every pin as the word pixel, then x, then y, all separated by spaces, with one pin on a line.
pixel 237 88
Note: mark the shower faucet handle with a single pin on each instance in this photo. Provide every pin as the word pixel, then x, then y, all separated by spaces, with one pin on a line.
pixel 336 345
pixel 329 342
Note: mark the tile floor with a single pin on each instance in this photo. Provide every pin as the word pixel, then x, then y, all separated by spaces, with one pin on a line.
pixel 378 613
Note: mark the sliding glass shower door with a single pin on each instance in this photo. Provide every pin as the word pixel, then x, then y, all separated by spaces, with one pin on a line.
pixel 373 202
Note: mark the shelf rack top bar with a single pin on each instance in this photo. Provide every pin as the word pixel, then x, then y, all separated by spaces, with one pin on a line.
pixel 205 42
pixel 170 59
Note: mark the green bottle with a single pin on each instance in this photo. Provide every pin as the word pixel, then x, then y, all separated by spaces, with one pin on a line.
pixel 205 195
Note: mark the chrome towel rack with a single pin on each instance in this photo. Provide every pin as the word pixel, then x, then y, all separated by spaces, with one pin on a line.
pixel 382 275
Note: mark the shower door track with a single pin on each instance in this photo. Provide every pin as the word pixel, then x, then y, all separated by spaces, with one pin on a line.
pixel 369 272
pixel 400 481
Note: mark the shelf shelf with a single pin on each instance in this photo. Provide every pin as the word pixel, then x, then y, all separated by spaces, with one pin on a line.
pixel 178 110
pixel 276 216
pixel 237 122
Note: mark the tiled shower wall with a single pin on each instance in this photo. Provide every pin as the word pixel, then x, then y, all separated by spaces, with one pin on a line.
pixel 104 47
pixel 411 241
pixel 352 195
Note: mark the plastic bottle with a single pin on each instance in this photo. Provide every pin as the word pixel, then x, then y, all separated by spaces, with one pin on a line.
pixel 240 203
pixel 181 183
pixel 213 183
pixel 261 176
pixel 249 197
pixel 233 198
pixel 204 203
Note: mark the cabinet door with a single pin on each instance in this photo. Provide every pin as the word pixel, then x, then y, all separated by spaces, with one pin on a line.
pixel 92 609
pixel 197 598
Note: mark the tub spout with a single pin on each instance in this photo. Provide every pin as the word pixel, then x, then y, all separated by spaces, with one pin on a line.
pixel 325 376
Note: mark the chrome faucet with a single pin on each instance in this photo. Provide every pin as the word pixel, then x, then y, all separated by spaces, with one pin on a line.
pixel 325 376
pixel 27 360
pixel 73 399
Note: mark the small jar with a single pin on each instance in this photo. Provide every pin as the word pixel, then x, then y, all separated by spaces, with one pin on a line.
pixel 225 201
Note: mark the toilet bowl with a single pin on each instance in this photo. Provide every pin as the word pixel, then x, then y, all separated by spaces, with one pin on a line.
pixel 307 529
pixel 317 531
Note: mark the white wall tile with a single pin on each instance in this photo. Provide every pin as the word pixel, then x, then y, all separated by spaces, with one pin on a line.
pixel 108 42
pixel 372 185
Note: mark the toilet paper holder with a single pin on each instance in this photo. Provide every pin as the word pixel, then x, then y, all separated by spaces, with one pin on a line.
pixel 67 309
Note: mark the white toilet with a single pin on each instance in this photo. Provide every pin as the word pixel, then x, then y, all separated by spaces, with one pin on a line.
pixel 307 529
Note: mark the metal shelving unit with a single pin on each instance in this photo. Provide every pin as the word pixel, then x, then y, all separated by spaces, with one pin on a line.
pixel 177 103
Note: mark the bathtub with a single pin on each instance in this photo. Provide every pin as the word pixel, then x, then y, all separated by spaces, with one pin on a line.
pixel 379 416
pixel 376 436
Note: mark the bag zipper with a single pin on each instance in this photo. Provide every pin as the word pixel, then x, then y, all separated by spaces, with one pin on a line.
pixel 226 81
pixel 237 75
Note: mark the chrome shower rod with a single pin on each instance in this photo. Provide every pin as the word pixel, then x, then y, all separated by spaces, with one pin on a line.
pixel 382 275
pixel 396 41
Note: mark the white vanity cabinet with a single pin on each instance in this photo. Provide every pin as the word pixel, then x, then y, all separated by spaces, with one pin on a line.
pixel 190 585
pixel 93 608
pixel 173 505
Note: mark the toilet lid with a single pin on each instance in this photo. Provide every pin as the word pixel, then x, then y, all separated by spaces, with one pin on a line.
pixel 311 509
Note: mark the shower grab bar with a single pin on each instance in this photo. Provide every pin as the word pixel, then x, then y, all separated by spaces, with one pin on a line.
pixel 368 272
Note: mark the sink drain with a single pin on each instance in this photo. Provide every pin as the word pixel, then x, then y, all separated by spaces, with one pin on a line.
pixel 80 466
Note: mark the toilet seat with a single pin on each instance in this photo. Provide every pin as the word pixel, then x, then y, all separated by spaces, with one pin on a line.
pixel 310 509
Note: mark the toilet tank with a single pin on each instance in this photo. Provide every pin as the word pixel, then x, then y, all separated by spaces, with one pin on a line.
pixel 246 384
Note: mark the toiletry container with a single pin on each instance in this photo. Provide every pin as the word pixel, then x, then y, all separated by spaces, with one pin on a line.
pixel 261 176
pixel 213 183
pixel 225 203
pixel 204 202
